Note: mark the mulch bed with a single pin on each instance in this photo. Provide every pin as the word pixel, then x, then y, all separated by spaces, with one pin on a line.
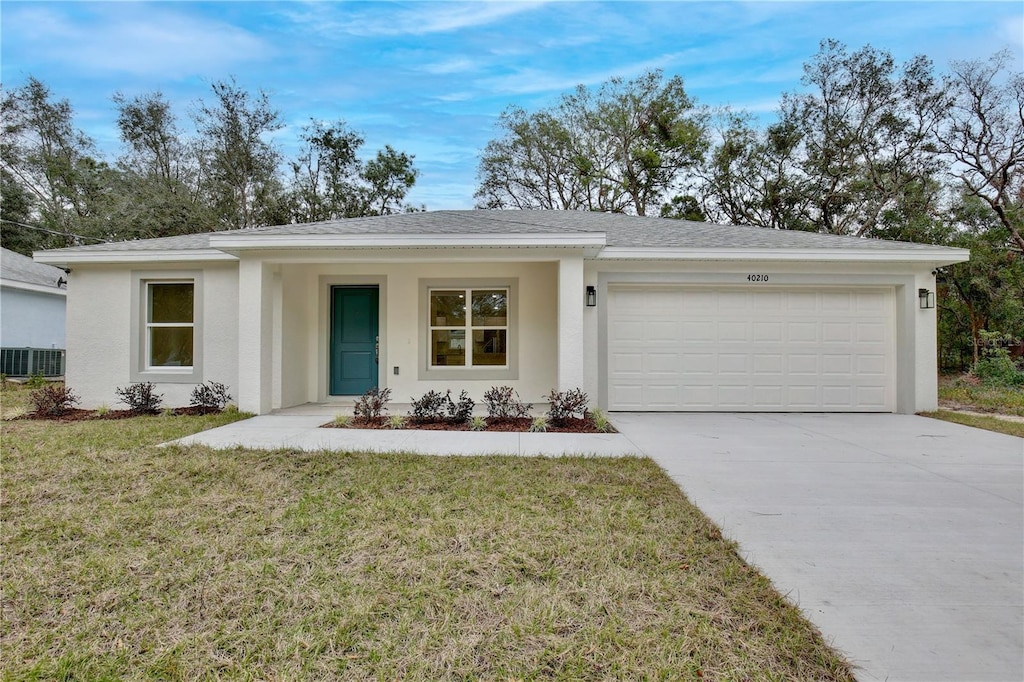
pixel 76 415
pixel 513 425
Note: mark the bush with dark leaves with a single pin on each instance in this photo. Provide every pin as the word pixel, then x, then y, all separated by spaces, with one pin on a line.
pixel 564 405
pixel 210 396
pixel 53 400
pixel 503 403
pixel 140 398
pixel 372 405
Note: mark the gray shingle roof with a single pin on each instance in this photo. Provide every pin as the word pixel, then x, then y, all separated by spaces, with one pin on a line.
pixel 19 268
pixel 620 230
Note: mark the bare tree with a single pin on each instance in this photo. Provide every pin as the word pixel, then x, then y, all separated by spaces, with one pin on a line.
pixel 985 136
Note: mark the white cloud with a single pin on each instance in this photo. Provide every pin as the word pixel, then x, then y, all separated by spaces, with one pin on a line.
pixel 418 19
pixel 140 40
pixel 450 66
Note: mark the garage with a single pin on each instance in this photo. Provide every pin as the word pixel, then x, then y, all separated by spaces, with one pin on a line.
pixel 753 349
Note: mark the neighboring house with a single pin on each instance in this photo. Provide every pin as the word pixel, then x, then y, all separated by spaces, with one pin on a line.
pixel 32 303
pixel 642 313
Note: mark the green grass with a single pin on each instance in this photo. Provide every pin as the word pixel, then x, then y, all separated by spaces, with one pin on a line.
pixel 123 560
pixel 1011 428
pixel 961 393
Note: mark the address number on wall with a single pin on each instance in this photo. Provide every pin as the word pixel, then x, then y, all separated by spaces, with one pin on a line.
pixel 757 278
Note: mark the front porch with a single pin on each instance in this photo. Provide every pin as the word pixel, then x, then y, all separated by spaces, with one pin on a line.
pixel 290 338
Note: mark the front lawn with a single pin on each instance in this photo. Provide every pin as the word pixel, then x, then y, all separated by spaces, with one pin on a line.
pixel 122 560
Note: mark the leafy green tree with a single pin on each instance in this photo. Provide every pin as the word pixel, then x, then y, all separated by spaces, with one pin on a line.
pixel 622 148
pixel 753 177
pixel 238 161
pixel 53 163
pixel 986 293
pixel 683 207
pixel 325 174
pixel 389 177
pixel 162 185
pixel 866 128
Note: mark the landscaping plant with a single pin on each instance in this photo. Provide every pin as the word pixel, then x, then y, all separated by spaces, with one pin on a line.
pixel 430 407
pixel 372 405
pixel 53 400
pixel 140 398
pixel 539 425
pixel 503 403
pixel 210 396
pixel 564 405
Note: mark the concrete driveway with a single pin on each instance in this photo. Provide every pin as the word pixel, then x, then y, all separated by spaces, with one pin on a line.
pixel 899 536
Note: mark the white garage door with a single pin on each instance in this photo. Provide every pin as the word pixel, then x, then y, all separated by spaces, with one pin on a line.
pixel 757 350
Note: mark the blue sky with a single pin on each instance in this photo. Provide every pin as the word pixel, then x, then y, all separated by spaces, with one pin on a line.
pixel 430 78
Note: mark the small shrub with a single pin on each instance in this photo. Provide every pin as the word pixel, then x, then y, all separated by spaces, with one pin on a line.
pixel 600 421
pixel 210 396
pixel 431 407
pixel 503 403
pixel 459 412
pixel 167 412
pixel 564 405
pixel 231 408
pixel 396 421
pixel 37 380
pixel 342 421
pixel 372 405
pixel 103 410
pixel 477 423
pixel 53 400
pixel 539 425
pixel 997 368
pixel 140 398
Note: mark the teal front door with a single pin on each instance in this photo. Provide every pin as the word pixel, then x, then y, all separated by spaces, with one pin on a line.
pixel 354 339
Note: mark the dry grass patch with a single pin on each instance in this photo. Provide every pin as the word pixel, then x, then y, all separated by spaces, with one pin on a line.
pixel 1011 428
pixel 965 393
pixel 124 560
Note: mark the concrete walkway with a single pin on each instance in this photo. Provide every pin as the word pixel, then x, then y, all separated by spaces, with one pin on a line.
pixel 302 432
pixel 901 537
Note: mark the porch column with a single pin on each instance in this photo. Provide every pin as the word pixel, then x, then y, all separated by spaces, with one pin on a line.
pixel 570 323
pixel 255 335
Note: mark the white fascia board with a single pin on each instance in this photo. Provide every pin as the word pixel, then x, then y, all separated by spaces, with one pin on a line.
pixel 69 258
pixel 38 288
pixel 938 257
pixel 589 240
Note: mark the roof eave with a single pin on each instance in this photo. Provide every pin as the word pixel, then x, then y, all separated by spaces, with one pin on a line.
pixel 62 258
pixel 938 257
pixel 53 289
pixel 247 242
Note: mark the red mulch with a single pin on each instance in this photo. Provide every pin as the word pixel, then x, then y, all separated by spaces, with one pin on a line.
pixel 514 425
pixel 76 415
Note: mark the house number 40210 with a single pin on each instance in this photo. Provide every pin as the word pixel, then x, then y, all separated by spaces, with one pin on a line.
pixel 757 278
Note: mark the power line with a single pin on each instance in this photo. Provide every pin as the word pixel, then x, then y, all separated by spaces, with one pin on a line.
pixel 43 229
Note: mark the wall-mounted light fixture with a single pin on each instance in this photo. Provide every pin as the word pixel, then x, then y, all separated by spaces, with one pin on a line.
pixel 926 299
pixel 591 296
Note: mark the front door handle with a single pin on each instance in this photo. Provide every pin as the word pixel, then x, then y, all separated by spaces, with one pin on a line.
pixel 376 350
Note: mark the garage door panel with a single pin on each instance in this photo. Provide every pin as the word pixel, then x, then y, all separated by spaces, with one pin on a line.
pixel 758 350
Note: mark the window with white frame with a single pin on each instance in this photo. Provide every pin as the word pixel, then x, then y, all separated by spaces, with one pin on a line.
pixel 469 327
pixel 170 324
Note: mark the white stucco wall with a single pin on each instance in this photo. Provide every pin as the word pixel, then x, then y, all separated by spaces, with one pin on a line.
pixel 305 329
pixel 265 326
pixel 31 319
pixel 99 332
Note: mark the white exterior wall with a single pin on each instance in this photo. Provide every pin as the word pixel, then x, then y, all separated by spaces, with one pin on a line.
pixel 916 354
pixel 99 332
pixel 31 319
pixel 306 321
